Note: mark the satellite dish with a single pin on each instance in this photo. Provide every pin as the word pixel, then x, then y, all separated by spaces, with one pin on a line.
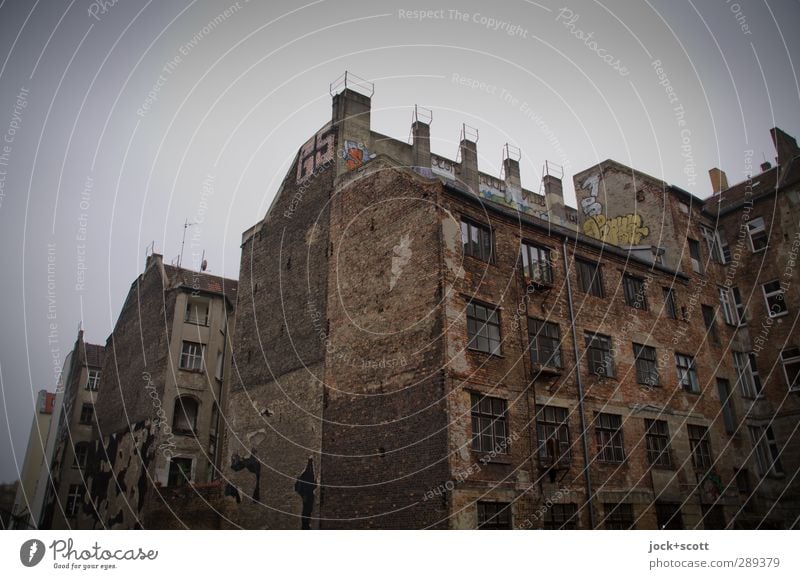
pixel 204 265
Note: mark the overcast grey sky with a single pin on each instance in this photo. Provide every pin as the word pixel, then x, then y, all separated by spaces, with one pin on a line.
pixel 112 119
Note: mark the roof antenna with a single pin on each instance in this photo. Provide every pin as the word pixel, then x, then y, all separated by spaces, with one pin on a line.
pixel 186 225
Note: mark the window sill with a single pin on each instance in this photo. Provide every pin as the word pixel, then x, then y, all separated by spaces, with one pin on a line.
pixel 780 315
pixel 481 352
pixel 490 458
pixel 481 260
pixel 192 370
pixel 195 323
pixel 187 433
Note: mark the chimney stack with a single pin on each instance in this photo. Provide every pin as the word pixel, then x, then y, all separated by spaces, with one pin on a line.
pixel 421 134
pixel 719 180
pixel 351 115
pixel 468 170
pixel 554 198
pixel 785 146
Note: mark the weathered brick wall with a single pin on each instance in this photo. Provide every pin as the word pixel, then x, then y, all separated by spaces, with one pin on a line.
pixel 385 429
pixel 274 389
pixel 633 481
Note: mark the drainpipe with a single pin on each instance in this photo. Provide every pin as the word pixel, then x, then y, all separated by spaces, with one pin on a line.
pixel 581 411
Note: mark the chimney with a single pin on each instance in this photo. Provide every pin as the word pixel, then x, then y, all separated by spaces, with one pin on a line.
pixel 511 167
pixel 766 166
pixel 153 258
pixel 554 198
pixel 468 170
pixel 351 115
pixel 421 133
pixel 719 180
pixel 785 145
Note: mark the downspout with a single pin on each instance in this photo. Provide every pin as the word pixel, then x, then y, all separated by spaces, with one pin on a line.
pixel 581 410
pixel 220 407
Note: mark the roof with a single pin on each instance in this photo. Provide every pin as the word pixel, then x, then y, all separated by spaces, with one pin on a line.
pixel 203 282
pixel 752 189
pixel 95 354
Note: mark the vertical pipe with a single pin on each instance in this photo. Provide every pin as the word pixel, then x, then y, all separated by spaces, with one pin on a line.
pixel 581 411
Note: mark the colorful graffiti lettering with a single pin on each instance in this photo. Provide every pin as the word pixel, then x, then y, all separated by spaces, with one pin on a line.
pixel 590 205
pixel 315 153
pixel 622 230
pixel 355 155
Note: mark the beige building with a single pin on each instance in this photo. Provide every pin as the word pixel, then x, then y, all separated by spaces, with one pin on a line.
pixel 34 462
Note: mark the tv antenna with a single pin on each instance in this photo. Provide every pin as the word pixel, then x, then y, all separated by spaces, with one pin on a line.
pixel 186 225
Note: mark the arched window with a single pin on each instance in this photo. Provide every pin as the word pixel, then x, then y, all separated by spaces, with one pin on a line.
pixel 184 417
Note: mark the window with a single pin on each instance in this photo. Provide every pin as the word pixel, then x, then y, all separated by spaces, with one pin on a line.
pixel 196 312
pixel 598 352
pixel 483 328
pixel 727 307
pixel 757 233
pixel 590 279
pixel 668 516
pixel 608 432
pixel 741 313
pixel 219 367
pixel 180 471
pixel 728 411
pixel 713 243
pixel 476 240
pixel 184 416
pixel 747 381
pixel 561 516
pixel 694 254
pixel 619 516
pixel 713 517
pixel 552 428
pixel 657 440
pixel 724 247
pixel 767 451
pixel 489 424
pixel 536 264
pixel 708 320
pixel 776 303
pixel 742 480
pixel 494 516
pixel 635 295
pixel 790 359
pixel 87 413
pixel 687 373
pixel 192 356
pixel 81 455
pixel 646 365
pixel 701 448
pixel 669 303
pixel 93 383
pixel 545 343
pixel 74 499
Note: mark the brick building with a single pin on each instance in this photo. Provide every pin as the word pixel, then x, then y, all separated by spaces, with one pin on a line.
pixel 422 345
pixel 158 423
pixel 73 434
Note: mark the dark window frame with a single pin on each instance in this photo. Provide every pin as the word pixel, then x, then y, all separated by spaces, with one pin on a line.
pixel 561 517
pixel 609 438
pixel 540 269
pixel 700 447
pixel 479 328
pixel 646 363
pixel 544 339
pixel 87 413
pixel 552 423
pixel 494 515
pixel 669 516
pixel 657 441
pixel 669 303
pixel 483 247
pixel 618 516
pixel 93 377
pixel 179 471
pixel 599 354
pixel 635 289
pixel 590 277
pixel 190 360
pixel 687 371
pixel 489 418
